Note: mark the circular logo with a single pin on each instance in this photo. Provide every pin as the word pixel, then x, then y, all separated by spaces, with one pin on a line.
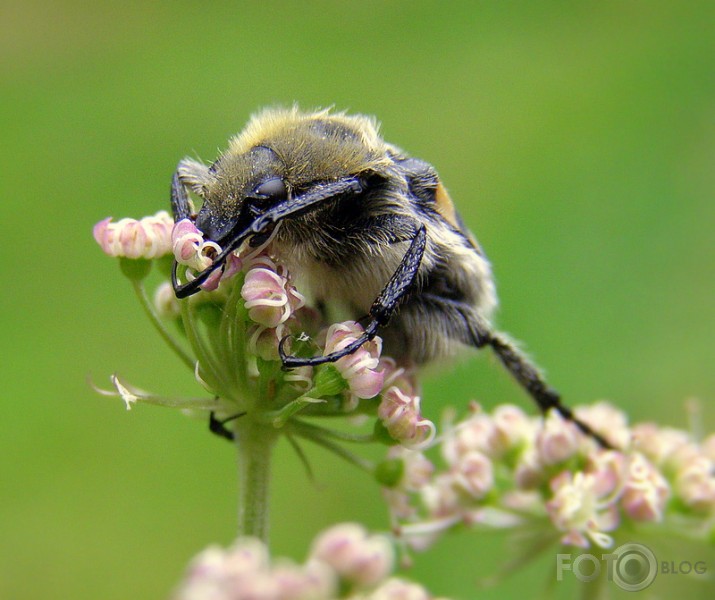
pixel 635 567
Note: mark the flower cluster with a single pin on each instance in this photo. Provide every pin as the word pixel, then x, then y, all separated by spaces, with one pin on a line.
pixel 254 306
pixel 497 469
pixel 148 238
pixel 190 249
pixel 504 468
pixel 345 562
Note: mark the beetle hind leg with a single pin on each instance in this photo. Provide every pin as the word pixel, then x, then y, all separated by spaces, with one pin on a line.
pixel 459 321
pixel 529 377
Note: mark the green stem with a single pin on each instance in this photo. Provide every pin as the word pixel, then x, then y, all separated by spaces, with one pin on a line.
pixel 278 418
pixel 233 331
pixel 319 439
pixel 308 429
pixel 254 441
pixel 148 307
pixel 203 356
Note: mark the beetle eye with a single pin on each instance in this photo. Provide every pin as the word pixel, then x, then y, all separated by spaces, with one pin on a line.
pixel 274 188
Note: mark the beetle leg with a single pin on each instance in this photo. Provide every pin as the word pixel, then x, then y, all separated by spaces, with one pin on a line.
pixel 218 426
pixel 382 309
pixel 529 377
pixel 180 205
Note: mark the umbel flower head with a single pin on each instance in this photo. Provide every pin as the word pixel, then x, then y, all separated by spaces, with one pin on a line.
pixel 149 237
pixel 231 331
pixel 505 469
pixel 498 469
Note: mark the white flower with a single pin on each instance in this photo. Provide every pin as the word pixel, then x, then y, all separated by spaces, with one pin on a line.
pixel 577 510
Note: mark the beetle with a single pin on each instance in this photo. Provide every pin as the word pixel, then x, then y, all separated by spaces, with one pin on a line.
pixel 360 223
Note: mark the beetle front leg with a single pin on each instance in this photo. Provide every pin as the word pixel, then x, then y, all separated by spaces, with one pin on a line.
pixel 382 309
pixel 180 203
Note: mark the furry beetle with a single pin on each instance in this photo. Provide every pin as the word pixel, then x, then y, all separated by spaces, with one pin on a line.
pixel 361 223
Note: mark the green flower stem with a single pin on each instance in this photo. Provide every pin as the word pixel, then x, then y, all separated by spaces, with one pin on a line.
pixel 254 441
pixel 308 429
pixel 206 370
pixel 148 307
pixel 335 408
pixel 316 437
pixel 233 331
pixel 278 418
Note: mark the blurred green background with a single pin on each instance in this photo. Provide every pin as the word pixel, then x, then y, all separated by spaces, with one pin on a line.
pixel 577 139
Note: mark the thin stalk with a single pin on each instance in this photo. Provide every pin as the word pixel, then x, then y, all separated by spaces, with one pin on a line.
pixel 254 442
pixel 148 307
pixel 278 418
pixel 232 332
pixel 210 375
pixel 302 456
pixel 228 320
pixel 309 429
pixel 351 457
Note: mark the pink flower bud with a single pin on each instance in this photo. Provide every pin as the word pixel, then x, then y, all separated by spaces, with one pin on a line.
pixel 241 571
pixel 658 444
pixel 474 474
pixel 695 484
pixel 359 369
pixel 398 376
pixel 103 234
pixel 132 238
pixel 265 296
pixel 209 564
pixel 269 295
pixel 398 589
pixel 477 432
pixel 148 238
pixel 185 241
pixel 314 581
pixel 401 416
pixel 609 470
pixel 607 420
pixel 440 497
pixel 511 427
pixel 247 555
pixel 529 472
pixel 359 558
pixel 213 280
pixel 558 440
pixel 341 335
pixel 190 249
pixel 646 491
pixel 418 468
